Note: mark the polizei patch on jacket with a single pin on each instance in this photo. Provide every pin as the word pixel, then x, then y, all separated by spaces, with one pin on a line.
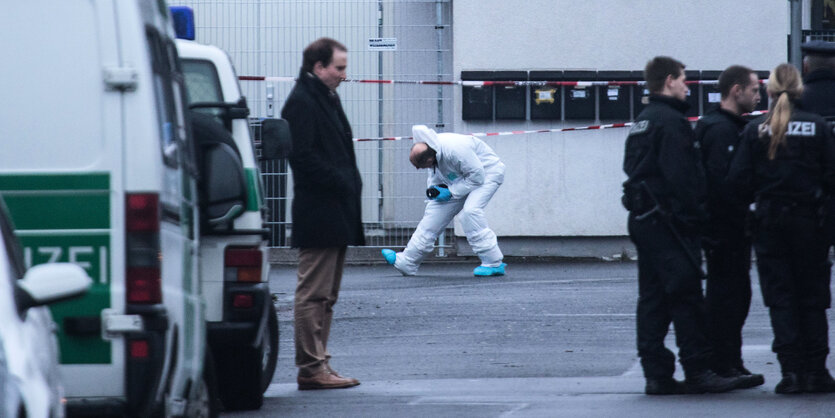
pixel 639 127
pixel 801 129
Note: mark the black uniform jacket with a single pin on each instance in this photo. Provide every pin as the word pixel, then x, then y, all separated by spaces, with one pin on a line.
pixel 802 171
pixel 718 132
pixel 819 93
pixel 326 181
pixel 662 152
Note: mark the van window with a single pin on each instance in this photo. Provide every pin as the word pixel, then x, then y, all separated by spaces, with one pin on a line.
pixel 203 86
pixel 178 85
pixel 168 88
pixel 202 81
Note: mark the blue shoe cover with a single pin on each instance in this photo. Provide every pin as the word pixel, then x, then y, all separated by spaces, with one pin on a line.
pixel 489 271
pixel 389 255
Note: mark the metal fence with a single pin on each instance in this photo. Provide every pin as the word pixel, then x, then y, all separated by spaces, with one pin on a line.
pixel 267 37
pixel 278 184
pixel 819 35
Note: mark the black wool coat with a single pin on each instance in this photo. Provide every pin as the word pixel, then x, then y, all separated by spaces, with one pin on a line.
pixel 326 181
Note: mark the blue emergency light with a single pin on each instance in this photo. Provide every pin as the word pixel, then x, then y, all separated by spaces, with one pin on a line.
pixel 183 18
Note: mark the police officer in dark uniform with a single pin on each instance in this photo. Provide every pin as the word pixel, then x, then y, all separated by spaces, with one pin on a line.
pixel 725 240
pixel 819 97
pixel 819 78
pixel 786 163
pixel 665 197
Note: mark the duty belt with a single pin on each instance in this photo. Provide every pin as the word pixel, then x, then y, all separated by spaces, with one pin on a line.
pixel 775 208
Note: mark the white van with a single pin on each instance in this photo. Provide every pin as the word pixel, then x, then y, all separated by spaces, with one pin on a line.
pixel 242 324
pixel 98 169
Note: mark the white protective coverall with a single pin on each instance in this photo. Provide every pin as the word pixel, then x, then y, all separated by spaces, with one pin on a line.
pixel 473 173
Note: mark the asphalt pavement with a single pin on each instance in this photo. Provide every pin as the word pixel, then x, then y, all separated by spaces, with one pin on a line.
pixel 549 339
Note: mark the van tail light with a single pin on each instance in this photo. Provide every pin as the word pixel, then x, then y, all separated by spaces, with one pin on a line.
pixel 139 349
pixel 243 301
pixel 242 264
pixel 142 248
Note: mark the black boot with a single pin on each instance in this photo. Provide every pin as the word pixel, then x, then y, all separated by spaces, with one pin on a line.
pixel 819 381
pixel 708 381
pixel 746 378
pixel 791 384
pixel 666 386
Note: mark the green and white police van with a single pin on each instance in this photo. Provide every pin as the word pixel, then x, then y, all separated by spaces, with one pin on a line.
pixel 98 168
pixel 242 324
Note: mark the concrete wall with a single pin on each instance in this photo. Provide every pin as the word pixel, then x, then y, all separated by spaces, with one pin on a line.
pixel 617 34
pixel 568 184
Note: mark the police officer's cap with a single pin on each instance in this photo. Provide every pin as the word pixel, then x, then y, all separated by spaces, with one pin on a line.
pixel 818 48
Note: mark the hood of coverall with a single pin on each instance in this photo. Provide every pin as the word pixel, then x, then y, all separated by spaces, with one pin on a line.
pixel 421 133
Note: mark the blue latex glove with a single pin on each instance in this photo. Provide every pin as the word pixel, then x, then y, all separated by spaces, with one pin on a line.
pixel 440 193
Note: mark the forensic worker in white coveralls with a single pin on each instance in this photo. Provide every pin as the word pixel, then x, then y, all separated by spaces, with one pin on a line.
pixel 464 173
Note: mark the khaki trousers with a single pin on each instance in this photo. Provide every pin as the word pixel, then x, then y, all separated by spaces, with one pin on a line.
pixel 319 277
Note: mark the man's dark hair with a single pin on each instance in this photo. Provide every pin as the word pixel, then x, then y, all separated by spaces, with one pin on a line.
pixel 657 70
pixel 735 74
pixel 816 62
pixel 321 50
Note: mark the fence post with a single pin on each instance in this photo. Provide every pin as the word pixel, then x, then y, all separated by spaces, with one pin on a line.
pixel 439 42
pixel 796 33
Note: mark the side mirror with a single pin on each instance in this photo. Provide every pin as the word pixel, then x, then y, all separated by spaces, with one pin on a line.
pixel 225 111
pixel 239 110
pixel 276 141
pixel 224 184
pixel 49 283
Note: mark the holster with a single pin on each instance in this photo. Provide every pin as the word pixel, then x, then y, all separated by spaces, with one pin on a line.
pixel 636 201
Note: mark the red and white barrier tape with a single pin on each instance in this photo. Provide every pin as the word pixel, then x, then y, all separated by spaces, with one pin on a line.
pixel 541 131
pixel 483 83
pixel 535 131
pixel 351 80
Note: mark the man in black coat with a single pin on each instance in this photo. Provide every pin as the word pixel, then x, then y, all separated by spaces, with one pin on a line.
pixel 326 205
pixel 726 242
pixel 665 195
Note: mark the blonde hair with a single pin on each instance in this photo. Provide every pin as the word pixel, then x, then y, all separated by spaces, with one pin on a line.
pixel 785 86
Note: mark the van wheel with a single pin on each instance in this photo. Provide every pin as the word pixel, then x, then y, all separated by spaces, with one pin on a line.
pixel 246 372
pixel 206 403
pixel 271 354
pixel 241 371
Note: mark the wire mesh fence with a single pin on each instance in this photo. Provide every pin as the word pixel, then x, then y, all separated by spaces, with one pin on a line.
pixel 267 37
pixel 388 232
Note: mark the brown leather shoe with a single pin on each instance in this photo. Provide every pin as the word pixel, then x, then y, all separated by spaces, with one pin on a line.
pixel 325 380
pixel 333 372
